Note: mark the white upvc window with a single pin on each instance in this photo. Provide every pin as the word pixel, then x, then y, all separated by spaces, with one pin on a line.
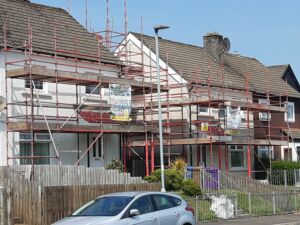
pixel 203 111
pixel 289 115
pixel 238 157
pixel 264 116
pixel 265 152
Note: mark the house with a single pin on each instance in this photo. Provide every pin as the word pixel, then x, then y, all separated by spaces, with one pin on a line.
pixel 56 79
pixel 234 110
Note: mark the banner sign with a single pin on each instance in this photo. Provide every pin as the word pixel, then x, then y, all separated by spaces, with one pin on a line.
pixel 234 118
pixel 120 101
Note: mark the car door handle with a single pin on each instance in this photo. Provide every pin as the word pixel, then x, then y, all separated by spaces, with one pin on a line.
pixel 153 219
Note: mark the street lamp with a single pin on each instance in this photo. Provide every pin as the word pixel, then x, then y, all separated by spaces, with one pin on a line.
pixel 161 150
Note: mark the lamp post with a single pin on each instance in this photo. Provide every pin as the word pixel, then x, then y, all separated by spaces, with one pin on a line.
pixel 161 151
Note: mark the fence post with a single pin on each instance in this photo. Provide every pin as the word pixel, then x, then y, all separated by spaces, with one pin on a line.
pixel 274 203
pixel 295 200
pixel 285 178
pixel 197 213
pixel 295 178
pixel 219 180
pixel 249 202
pixel 236 206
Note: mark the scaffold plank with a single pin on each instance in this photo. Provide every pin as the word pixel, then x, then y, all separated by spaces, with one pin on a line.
pixel 255 106
pixel 74 128
pixel 44 74
pixel 264 142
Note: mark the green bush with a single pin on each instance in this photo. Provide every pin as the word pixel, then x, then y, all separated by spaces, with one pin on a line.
pixel 115 165
pixel 173 178
pixel 190 188
pixel 283 171
pixel 285 165
pixel 151 179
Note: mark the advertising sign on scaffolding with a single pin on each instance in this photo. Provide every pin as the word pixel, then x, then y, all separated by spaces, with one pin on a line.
pixel 233 121
pixel 120 101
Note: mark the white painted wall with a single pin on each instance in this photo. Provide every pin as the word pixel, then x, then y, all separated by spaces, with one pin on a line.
pixel 66 143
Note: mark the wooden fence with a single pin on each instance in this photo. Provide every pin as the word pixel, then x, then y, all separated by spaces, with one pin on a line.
pixel 25 202
pixel 55 175
pixel 59 202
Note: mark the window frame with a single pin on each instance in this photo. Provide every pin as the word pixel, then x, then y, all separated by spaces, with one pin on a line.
pixel 126 214
pixel 261 115
pixel 37 85
pixel 243 150
pixel 293 119
pixel 166 196
pixel 265 148
pixel 97 92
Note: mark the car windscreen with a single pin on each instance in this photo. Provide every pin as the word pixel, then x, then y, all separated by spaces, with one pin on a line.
pixel 105 206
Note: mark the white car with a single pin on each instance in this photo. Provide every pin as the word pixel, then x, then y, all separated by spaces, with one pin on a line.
pixel 129 208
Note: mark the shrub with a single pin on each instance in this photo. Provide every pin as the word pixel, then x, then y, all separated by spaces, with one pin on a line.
pixel 283 172
pixel 173 178
pixel 151 179
pixel 285 165
pixel 115 165
pixel 178 164
pixel 190 188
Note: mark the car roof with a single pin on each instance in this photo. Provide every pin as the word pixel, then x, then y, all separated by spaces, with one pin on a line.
pixel 138 193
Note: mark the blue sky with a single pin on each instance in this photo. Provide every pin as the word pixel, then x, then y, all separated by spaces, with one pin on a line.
pixel 268 30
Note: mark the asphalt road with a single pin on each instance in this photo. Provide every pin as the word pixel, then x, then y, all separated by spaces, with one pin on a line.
pixel 266 220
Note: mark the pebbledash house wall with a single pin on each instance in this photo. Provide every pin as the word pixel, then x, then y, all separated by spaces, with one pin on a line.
pixel 66 142
pixel 149 58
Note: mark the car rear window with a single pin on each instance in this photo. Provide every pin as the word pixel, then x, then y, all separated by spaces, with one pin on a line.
pixel 165 202
pixel 106 206
pixel 176 201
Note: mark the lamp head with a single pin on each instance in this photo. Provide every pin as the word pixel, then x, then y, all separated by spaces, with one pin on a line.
pixel 160 27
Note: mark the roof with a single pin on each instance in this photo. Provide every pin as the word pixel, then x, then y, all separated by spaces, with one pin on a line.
pixel 44 20
pixel 194 63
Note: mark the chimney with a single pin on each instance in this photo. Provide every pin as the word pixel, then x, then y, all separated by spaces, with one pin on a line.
pixel 213 44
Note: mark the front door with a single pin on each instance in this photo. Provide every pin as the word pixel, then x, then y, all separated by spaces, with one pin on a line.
pixel 96 152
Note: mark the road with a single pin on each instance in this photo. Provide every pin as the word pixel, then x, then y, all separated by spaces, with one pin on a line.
pixel 266 220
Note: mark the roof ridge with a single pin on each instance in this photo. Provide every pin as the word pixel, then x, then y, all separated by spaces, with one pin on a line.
pixel 35 4
pixel 177 42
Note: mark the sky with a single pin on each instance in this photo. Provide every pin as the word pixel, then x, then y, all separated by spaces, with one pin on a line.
pixel 268 30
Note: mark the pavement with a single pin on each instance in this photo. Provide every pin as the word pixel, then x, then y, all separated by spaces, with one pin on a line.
pixel 288 219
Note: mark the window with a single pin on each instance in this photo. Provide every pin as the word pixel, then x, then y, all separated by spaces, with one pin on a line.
pixel 264 116
pixel 289 116
pixel 41 148
pixel 237 156
pixel 90 88
pixel 298 154
pixel 39 85
pixel 264 152
pixel 106 206
pixel 203 110
pixel 163 202
pixel 142 204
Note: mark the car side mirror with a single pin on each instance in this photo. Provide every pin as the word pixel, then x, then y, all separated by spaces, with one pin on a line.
pixel 134 212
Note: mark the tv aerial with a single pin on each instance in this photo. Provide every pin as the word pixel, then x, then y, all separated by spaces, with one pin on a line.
pixel 226 44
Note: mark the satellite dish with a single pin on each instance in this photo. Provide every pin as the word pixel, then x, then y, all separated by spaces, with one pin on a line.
pixel 2 103
pixel 226 44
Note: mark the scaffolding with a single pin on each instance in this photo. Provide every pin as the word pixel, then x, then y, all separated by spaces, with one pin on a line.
pixel 187 130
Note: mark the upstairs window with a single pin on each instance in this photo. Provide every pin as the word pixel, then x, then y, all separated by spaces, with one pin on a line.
pixel 264 116
pixel 289 115
pixel 90 88
pixel 39 85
